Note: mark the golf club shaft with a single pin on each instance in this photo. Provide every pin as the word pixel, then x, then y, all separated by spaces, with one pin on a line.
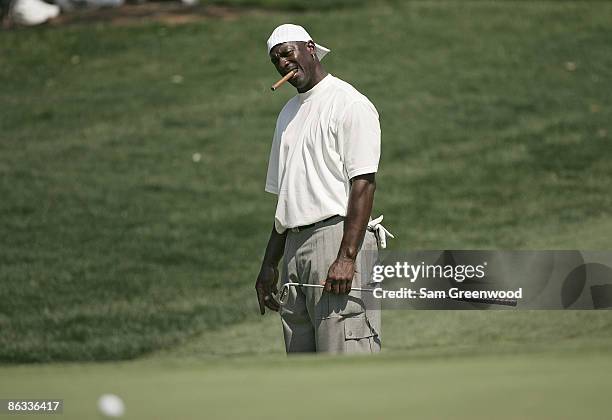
pixel 488 301
pixel 319 286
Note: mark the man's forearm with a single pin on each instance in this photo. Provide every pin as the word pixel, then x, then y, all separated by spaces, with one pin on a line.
pixel 361 199
pixel 275 248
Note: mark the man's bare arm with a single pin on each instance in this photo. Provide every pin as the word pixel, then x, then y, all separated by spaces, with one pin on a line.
pixel 268 274
pixel 361 199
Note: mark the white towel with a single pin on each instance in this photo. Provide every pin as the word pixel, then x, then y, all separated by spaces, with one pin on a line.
pixel 380 231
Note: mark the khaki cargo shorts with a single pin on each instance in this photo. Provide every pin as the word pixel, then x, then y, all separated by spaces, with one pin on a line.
pixel 318 321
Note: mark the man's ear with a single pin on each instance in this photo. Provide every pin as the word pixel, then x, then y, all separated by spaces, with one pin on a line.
pixel 311 47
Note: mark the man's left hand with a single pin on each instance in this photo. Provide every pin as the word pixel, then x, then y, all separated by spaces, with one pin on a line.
pixel 340 276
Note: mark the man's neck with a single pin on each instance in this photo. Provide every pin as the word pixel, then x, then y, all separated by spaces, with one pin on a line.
pixel 320 74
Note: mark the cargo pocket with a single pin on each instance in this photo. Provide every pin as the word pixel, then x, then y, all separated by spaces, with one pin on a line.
pixel 346 306
pixel 358 335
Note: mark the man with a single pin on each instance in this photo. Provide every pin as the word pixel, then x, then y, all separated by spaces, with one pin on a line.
pixel 322 166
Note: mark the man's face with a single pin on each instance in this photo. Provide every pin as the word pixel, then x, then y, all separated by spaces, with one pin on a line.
pixel 295 56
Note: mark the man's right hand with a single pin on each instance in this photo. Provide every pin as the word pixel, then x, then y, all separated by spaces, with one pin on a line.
pixel 266 289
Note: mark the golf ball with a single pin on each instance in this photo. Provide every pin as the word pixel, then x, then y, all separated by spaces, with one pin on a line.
pixel 111 405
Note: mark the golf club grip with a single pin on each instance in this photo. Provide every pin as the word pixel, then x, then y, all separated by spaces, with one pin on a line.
pixel 489 301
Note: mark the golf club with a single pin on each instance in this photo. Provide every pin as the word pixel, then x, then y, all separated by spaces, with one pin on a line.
pixel 284 294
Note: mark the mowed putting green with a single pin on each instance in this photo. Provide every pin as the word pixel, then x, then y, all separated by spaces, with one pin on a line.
pixel 557 386
pixel 435 364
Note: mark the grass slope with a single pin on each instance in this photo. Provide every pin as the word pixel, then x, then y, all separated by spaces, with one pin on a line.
pixel 116 243
pixel 424 334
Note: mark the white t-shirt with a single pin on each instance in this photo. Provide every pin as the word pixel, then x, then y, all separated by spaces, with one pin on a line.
pixel 323 138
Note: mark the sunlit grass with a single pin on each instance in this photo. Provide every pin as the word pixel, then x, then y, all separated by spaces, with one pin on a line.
pixel 115 243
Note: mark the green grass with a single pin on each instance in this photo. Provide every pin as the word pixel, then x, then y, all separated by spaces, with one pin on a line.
pixel 116 244
pixel 556 386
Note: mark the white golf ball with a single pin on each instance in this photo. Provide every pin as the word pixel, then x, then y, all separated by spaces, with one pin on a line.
pixel 111 405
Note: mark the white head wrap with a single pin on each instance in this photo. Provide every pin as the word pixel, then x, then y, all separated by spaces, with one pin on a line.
pixel 289 32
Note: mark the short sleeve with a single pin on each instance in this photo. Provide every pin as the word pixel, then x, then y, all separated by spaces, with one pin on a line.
pixel 273 164
pixel 359 134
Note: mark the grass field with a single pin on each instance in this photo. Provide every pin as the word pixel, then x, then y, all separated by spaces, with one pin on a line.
pixel 117 244
pixel 504 387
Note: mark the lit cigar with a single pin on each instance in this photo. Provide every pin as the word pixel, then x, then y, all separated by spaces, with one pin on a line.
pixel 283 80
